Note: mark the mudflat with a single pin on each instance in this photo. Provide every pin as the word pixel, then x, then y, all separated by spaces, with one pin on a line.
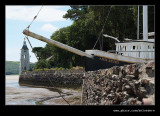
pixel 33 95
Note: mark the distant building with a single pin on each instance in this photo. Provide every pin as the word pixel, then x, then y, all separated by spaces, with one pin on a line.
pixel 24 58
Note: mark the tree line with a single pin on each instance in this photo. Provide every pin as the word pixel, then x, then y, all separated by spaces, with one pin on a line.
pixel 89 25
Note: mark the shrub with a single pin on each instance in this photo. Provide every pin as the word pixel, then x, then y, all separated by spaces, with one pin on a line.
pixel 77 67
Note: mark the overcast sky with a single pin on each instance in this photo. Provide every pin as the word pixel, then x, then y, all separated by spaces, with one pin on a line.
pixel 19 17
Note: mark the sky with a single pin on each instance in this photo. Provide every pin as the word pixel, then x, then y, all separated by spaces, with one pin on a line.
pixel 18 17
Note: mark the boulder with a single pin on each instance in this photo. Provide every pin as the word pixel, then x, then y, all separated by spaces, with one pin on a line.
pixel 130 77
pixel 109 71
pixel 144 82
pixel 116 70
pixel 147 101
pixel 142 92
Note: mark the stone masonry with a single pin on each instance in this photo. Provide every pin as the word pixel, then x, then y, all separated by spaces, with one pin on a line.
pixel 53 78
pixel 120 85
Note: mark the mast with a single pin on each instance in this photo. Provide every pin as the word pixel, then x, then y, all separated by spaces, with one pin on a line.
pixel 145 23
pixel 138 25
pixel 56 43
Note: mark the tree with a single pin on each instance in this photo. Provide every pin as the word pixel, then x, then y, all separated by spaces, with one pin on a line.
pixel 118 21
pixel 41 64
pixel 36 50
pixel 76 12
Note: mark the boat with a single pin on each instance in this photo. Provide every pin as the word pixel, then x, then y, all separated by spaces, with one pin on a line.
pixel 127 52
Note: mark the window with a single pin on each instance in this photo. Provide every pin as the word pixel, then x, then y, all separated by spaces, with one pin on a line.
pixel 125 48
pixel 134 47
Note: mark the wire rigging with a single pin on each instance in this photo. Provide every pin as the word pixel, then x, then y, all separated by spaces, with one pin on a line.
pixel 35 17
pixel 102 27
pixel 125 24
pixel 29 27
pixel 31 47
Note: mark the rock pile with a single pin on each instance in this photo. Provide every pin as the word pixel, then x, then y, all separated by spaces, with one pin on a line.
pixel 125 85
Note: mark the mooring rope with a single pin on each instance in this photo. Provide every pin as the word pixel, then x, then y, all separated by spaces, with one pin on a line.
pixel 58 92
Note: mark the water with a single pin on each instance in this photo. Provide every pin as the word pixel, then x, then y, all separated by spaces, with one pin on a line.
pixel 15 84
pixel 27 95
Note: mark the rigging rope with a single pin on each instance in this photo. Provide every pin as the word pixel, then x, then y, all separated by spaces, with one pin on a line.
pixel 102 28
pixel 35 17
pixel 31 47
pixel 125 24
pixel 58 92
pixel 29 27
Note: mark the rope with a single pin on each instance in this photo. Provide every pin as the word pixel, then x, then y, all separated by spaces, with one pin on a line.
pixel 31 47
pixel 125 24
pixel 58 92
pixel 35 17
pixel 29 27
pixel 102 28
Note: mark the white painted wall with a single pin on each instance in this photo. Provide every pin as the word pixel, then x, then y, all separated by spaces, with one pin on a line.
pixel 133 48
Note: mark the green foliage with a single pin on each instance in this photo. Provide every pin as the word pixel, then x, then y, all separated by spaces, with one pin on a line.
pixel 76 12
pixel 77 67
pixel 11 67
pixel 38 69
pixel 42 64
pixel 37 51
pixel 60 68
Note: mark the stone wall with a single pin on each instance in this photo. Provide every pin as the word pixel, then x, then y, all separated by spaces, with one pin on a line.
pixel 56 78
pixel 125 85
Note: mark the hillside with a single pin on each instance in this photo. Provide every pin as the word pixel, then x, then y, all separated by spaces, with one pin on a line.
pixel 12 67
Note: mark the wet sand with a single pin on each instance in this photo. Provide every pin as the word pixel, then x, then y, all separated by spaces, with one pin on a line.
pixel 27 95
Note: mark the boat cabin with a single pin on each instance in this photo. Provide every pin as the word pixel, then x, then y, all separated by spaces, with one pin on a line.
pixel 138 49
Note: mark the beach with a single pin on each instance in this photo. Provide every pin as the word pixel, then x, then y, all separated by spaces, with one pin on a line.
pixel 33 95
